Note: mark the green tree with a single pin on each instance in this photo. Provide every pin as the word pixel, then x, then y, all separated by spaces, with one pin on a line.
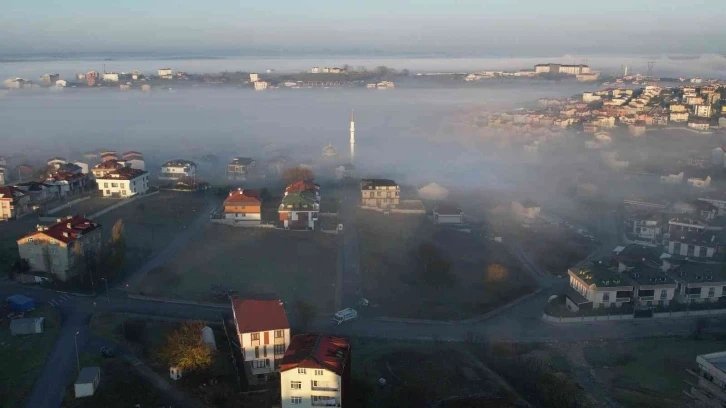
pixel 185 349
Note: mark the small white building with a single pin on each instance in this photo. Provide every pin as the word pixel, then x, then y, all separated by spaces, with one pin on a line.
pixel 254 77
pixel 703 111
pixel 526 209
pixel 699 282
pixel 33 325
pixel 123 183
pixel 178 169
pixel 61 83
pixel 110 77
pixel 82 165
pixel 260 85
pixel 87 382
pixel 165 73
pixel 315 372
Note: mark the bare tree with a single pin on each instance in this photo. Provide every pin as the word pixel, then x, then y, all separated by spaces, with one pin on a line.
pixel 297 174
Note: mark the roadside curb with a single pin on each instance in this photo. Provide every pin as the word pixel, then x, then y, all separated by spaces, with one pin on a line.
pixel 472 320
pixel 179 302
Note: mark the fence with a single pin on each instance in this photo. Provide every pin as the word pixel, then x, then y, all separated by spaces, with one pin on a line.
pixel 121 203
pixel 659 315
pixel 66 205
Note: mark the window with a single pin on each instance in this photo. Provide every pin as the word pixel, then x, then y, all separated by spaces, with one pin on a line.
pixel 52 242
pixel 279 349
pixel 663 293
pixel 318 372
pixel 606 297
pixel 711 292
pixel 114 184
pixel 264 351
pixel 295 385
pixel 296 400
pixel 30 239
pixel 279 334
pixel 261 363
pixel 257 352
pixel 301 371
pixel 255 336
pixel 105 185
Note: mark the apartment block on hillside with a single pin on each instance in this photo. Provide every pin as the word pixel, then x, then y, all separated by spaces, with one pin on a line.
pixel 380 193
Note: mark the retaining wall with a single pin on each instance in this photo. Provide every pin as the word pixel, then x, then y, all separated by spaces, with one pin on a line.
pixel 120 204
pixel 66 205
pixel 660 315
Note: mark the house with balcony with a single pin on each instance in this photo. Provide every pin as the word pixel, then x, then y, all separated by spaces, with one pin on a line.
pixel 379 193
pixel 595 285
pixel 699 282
pixel 123 183
pixel 243 207
pixel 177 169
pixel 105 167
pixel 708 388
pixel 647 229
pixel 693 244
pixel 239 168
pixel 315 372
pixel 651 286
pixel 264 335
pixel 13 203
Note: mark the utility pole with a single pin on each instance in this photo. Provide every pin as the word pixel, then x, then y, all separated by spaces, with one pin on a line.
pixel 650 68
pixel 78 360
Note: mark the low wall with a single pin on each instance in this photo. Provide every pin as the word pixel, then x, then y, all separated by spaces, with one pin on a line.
pixel 121 203
pixel 66 205
pixel 659 315
pixel 237 223
pixel 393 210
pixel 180 302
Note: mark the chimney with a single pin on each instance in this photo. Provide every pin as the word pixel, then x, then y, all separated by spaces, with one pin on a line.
pixel 65 234
pixel 69 226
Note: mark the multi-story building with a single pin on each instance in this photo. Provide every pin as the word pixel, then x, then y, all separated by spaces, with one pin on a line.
pixel 49 79
pixel 380 193
pixel 239 168
pixel 38 192
pixel 260 85
pixel 135 160
pixel 703 111
pixel 678 117
pixel 102 169
pixel 299 210
pixel 264 335
pixel 651 286
pixel 647 228
pixel 178 169
pixel 562 69
pixel 51 249
pixel 2 176
pixel 243 207
pixel 254 77
pixel 699 282
pixel 110 77
pixel 315 372
pixel 596 286
pixel 693 244
pixel 123 183
pixel 13 202
pixel 709 391
pixel 165 73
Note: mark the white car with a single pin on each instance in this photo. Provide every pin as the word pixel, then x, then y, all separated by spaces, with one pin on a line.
pixel 344 315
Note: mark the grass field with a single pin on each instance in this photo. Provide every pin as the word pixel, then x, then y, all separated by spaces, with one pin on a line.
pixel 482 275
pixel 23 357
pixel 649 372
pixel 289 265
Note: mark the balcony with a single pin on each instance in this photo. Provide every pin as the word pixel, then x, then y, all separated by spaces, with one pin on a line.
pixel 325 387
pixel 646 298
pixel 623 299
pixel 325 402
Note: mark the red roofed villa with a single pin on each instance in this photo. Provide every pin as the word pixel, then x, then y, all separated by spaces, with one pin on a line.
pixel 264 333
pixel 51 249
pixel 315 371
pixel 243 208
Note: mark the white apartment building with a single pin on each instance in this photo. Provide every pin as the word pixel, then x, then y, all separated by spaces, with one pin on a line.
pixel 264 335
pixel 260 85
pixel 599 286
pixel 315 372
pixel 178 169
pixel 652 287
pixel 165 73
pixel 110 76
pixel 254 77
pixel 379 193
pixel 703 111
pixel 710 388
pixel 699 282
pixel 647 229
pixel 123 183
pixel 588 97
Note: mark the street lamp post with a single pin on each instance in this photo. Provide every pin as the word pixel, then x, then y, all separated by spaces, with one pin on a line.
pixel 106 283
pixel 78 360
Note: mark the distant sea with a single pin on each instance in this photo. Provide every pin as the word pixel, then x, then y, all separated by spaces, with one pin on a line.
pixel 67 65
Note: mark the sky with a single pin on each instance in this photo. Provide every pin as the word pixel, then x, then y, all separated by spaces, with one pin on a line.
pixel 473 27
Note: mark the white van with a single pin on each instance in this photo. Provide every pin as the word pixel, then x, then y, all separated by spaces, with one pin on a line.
pixel 344 315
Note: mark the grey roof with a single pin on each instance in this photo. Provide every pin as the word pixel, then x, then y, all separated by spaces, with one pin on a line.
pixel 373 183
pixel 87 375
pixel 26 325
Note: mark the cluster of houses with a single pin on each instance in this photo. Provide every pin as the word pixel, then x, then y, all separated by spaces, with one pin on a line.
pixel 313 369
pixel 580 71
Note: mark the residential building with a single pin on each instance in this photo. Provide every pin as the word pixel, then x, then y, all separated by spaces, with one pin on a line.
pixel 17 83
pixel 13 203
pixel 239 168
pixel 344 171
pixel 703 111
pixel 134 159
pixel 380 193
pixel 299 210
pixel 260 85
pixel 102 169
pixel 588 97
pixel 165 73
pixel 694 100
pixel 263 333
pixel 123 183
pixel 315 70
pixel 110 77
pixel 109 155
pixel 651 286
pixel 51 249
pixel 2 176
pixel 699 181
pixel 38 192
pixel 83 166
pixel 709 391
pixel 243 207
pixel 178 169
pixel 562 69
pixel 693 244
pixel 254 77
pixel 595 285
pixel 678 117
pixel 61 83
pixel 647 228
pixel 699 282
pixel 685 224
pixel 448 214
pixel 49 79
pixel 56 162
pixel 67 183
pixel 315 372
pixel 303 185
pixel 701 124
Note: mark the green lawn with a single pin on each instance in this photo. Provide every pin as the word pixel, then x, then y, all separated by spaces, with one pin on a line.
pixel 23 357
pixel 636 370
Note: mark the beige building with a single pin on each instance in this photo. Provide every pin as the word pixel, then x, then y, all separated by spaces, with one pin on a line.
pixel 597 286
pixel 264 334
pixel 260 85
pixel 379 193
pixel 703 111
pixel 51 249
pixel 709 389
pixel 680 117
pixel 110 77
pixel 165 73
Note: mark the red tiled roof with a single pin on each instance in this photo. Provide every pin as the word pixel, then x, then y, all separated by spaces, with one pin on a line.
pixel 109 165
pixel 59 230
pixel 299 186
pixel 243 196
pixel 124 173
pixel 64 176
pixel 317 351
pixel 10 192
pixel 259 315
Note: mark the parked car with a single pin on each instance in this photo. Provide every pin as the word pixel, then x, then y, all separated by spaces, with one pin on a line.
pixel 344 315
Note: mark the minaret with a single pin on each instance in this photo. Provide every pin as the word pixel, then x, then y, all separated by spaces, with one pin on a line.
pixel 352 135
